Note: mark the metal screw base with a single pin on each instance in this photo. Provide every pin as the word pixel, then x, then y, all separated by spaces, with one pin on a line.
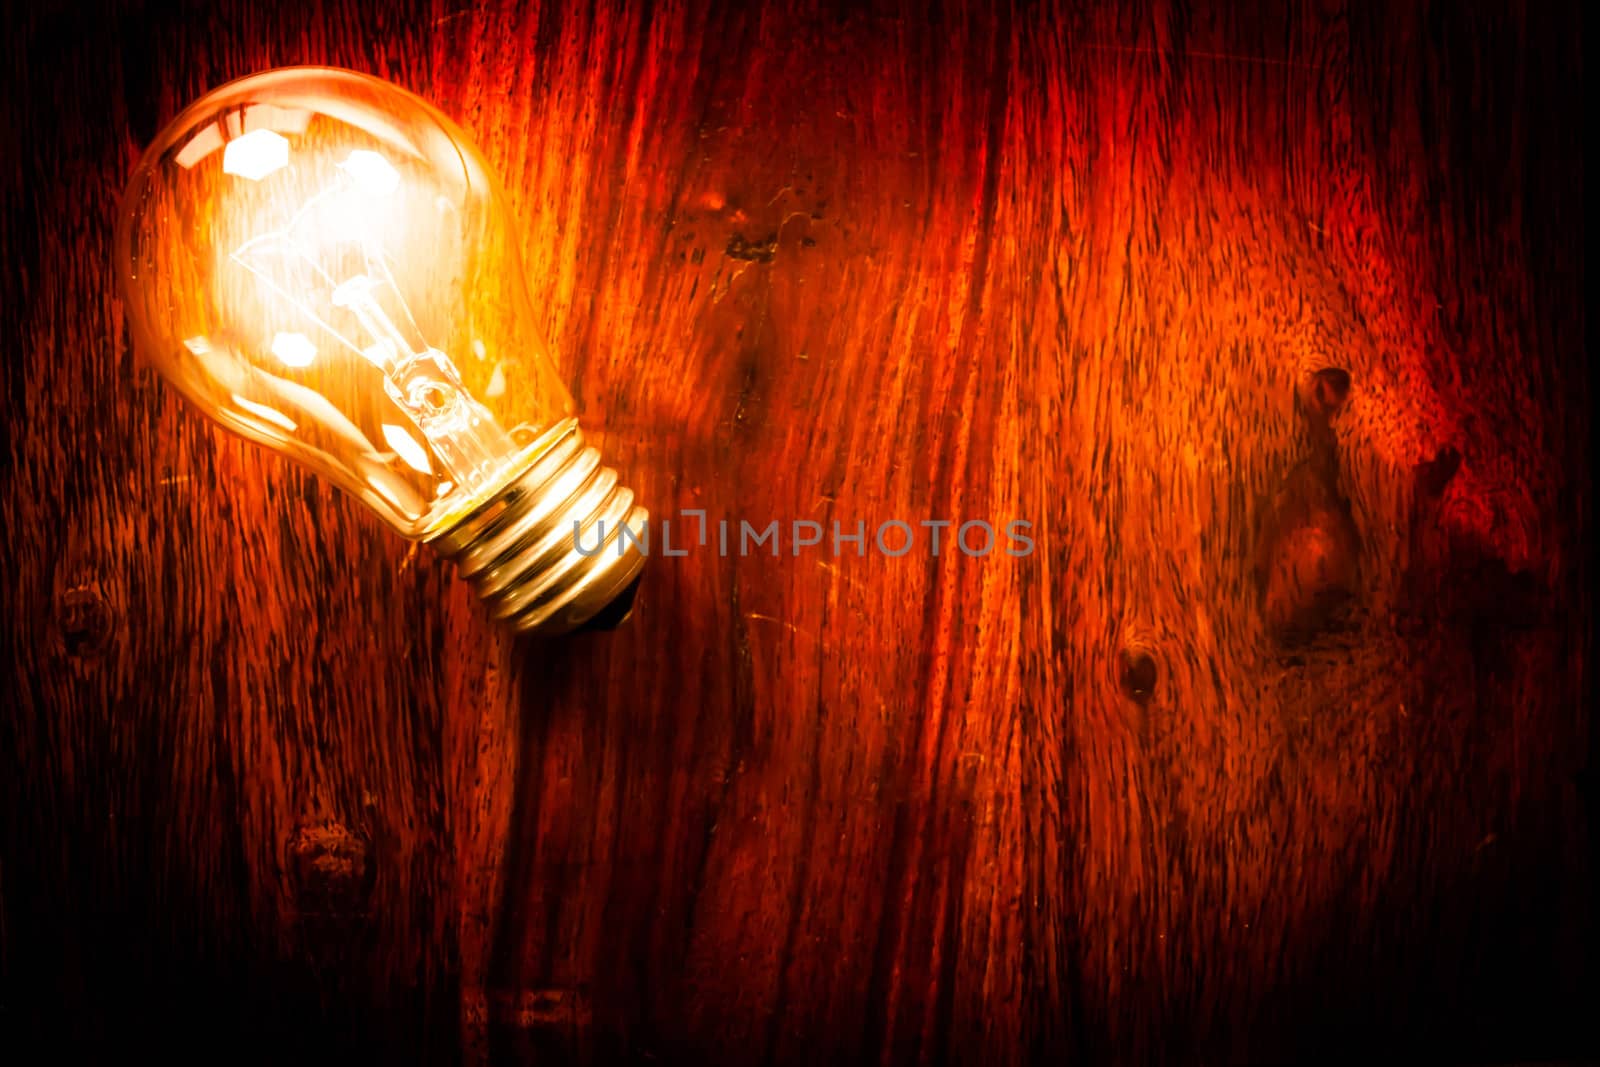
pixel 519 549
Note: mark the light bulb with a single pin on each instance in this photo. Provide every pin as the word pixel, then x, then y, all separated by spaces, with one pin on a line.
pixel 323 263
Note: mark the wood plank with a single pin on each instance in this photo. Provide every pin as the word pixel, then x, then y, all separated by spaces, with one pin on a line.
pixel 280 787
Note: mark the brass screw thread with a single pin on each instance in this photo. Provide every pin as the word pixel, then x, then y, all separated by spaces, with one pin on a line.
pixel 520 549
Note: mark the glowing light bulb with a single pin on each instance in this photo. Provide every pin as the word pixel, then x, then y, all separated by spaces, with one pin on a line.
pixel 322 262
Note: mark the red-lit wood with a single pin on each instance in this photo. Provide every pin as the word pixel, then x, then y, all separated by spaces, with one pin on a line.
pixel 275 785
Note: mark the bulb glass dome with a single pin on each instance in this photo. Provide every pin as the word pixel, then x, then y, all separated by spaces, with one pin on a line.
pixel 322 262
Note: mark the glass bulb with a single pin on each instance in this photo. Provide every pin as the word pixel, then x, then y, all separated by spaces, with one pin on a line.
pixel 323 263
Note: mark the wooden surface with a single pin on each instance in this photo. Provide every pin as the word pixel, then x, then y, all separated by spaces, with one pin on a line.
pixel 1234 303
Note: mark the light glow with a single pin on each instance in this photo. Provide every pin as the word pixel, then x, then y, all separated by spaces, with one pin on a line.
pixel 201 145
pixel 255 155
pixel 372 172
pixel 497 382
pixel 315 253
pixel 272 415
pixel 295 349
pixel 406 448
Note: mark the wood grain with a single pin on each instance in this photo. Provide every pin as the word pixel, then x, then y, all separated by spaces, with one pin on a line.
pixel 277 787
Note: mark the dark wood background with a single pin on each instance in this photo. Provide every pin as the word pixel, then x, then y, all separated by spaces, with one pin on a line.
pixel 273 785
